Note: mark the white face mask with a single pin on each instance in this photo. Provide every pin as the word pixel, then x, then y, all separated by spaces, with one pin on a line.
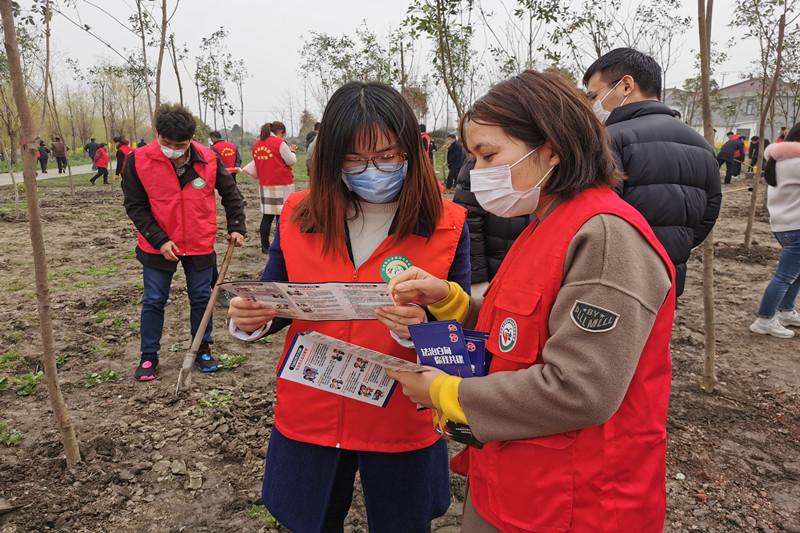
pixel 495 192
pixel 171 153
pixel 601 112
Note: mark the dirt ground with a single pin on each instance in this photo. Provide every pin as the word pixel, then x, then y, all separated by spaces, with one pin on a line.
pixel 157 463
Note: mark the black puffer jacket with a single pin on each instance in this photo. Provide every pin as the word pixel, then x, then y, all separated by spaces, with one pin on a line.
pixel 673 177
pixel 490 236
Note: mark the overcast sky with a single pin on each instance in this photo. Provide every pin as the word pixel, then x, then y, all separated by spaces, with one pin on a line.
pixel 268 35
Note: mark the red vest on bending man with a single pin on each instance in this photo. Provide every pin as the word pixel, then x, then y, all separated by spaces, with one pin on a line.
pixel 188 215
pixel 604 478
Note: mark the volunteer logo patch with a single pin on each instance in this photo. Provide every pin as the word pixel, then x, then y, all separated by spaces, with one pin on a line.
pixel 198 183
pixel 592 318
pixel 393 265
pixel 508 335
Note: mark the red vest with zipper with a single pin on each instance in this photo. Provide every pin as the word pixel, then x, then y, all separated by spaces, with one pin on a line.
pixel 271 168
pixel 227 152
pixel 125 149
pixel 605 478
pixel 188 215
pixel 101 158
pixel 317 417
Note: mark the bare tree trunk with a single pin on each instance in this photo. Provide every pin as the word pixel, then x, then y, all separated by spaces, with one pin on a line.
pixel 37 240
pixel 748 234
pixel 704 15
pixel 174 56
pixel 46 13
pixel 162 43
pixel 147 87
pixel 241 113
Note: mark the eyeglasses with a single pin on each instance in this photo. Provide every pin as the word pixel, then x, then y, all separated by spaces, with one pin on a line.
pixel 385 163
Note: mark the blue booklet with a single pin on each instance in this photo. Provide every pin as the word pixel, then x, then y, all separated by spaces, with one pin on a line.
pixel 448 347
pixel 458 352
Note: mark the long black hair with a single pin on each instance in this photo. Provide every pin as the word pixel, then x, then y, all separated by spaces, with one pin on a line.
pixel 360 111
pixel 769 169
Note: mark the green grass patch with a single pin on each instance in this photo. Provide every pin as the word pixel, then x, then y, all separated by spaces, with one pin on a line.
pixel 5 384
pixel 231 361
pixel 85 285
pixel 101 271
pixel 260 514
pixel 102 315
pixel 8 436
pixel 9 359
pixel 25 384
pixel 214 399
pixel 61 360
pixel 104 376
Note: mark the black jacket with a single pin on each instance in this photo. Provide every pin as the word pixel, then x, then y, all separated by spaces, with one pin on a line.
pixel 728 152
pixel 456 155
pixel 490 236
pixel 673 177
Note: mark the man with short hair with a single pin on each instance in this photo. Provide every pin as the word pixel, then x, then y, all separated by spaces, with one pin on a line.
pixel 59 149
pixel 673 176
pixel 227 151
pixel 731 155
pixel 169 188
pixel 456 155
pixel 90 149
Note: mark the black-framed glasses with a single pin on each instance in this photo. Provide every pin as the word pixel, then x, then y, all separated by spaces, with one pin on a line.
pixel 384 163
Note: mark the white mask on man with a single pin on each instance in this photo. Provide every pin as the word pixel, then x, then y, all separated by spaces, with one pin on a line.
pixel 601 112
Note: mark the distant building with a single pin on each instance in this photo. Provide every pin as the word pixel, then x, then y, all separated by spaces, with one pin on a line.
pixel 735 108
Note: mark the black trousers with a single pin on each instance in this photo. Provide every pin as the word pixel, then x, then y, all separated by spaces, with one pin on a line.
pixel 61 161
pixel 100 172
pixel 266 227
pixel 43 163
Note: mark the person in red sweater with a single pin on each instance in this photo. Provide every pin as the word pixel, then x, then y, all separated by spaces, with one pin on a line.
pixel 101 162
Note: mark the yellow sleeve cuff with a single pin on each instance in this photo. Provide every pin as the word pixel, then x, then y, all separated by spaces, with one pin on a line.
pixel 444 394
pixel 454 306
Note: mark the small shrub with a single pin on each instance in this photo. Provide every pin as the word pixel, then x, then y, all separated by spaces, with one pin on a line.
pixel 96 378
pixel 9 437
pixel 61 360
pixel 9 359
pixel 229 362
pixel 214 400
pixel 25 384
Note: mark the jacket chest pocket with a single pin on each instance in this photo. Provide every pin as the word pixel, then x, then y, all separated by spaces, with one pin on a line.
pixel 514 334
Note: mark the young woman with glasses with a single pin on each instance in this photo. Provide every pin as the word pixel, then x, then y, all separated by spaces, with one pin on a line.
pixel 372 210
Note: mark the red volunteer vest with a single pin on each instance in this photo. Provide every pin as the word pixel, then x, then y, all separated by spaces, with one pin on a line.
pixel 271 168
pixel 605 478
pixel 102 158
pixel 188 215
pixel 317 417
pixel 227 152
pixel 125 149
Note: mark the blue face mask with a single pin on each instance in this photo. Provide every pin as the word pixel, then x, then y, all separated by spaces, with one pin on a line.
pixel 376 186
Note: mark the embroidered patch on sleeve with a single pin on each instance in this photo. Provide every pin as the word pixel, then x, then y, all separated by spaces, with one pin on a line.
pixel 592 318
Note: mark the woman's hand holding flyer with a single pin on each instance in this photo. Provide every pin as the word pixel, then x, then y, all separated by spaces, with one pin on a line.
pixel 249 315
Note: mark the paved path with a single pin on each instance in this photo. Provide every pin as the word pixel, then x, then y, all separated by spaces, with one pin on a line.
pixel 5 178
